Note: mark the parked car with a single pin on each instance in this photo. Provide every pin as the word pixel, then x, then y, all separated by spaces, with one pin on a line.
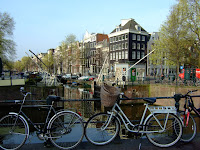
pixel 91 78
pixel 66 76
pixel 74 77
pixel 84 78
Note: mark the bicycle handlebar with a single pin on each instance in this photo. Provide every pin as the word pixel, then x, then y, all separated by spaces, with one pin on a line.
pixel 187 94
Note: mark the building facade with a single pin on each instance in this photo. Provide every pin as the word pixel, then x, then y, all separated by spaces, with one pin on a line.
pixel 91 55
pixel 128 44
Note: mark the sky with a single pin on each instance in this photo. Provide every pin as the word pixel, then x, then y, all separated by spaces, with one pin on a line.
pixel 43 24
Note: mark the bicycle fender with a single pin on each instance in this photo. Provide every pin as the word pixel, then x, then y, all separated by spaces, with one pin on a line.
pixel 60 113
pixel 20 116
pixel 147 118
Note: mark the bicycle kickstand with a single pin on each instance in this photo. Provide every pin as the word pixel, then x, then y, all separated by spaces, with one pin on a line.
pixel 140 144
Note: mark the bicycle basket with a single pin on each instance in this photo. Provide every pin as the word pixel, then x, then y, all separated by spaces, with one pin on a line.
pixel 108 95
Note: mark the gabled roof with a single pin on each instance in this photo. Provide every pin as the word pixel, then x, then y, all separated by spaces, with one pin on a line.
pixel 131 24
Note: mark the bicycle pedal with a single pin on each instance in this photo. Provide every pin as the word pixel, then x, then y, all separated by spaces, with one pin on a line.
pixel 48 144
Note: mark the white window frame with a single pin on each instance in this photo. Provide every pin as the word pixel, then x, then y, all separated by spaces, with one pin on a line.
pixel 120 46
pixel 133 54
pixel 117 56
pixel 126 36
pixel 123 37
pixel 142 54
pixel 126 54
pixel 120 38
pixel 126 45
pixel 138 38
pixel 123 46
pixel 133 45
pixel 111 39
pixel 143 38
pixel 134 37
pixel 138 45
pixel 111 56
pixel 117 47
pixel 114 56
pixel 143 46
pixel 120 55
pixel 138 55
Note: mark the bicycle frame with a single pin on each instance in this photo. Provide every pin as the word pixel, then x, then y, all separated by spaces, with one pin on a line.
pixel 127 122
pixel 22 114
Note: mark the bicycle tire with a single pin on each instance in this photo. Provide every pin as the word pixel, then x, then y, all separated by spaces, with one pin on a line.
pixel 13 137
pixel 168 137
pixel 66 130
pixel 95 135
pixel 189 131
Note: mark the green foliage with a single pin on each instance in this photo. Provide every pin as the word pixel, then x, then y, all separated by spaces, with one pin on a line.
pixel 7 46
pixel 179 36
pixel 49 61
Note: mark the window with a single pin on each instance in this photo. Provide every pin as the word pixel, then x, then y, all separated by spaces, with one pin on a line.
pixel 138 55
pixel 143 46
pixel 143 38
pixel 119 38
pixel 126 45
pixel 133 37
pixel 120 46
pixel 116 38
pixel 138 37
pixel 126 54
pixel 138 27
pixel 111 47
pixel 113 56
pixel 120 55
pixel 111 40
pixel 133 45
pixel 133 55
pixel 126 36
pixel 142 54
pixel 116 46
pixel 110 56
pixel 123 46
pixel 138 45
pixel 117 56
pixel 123 37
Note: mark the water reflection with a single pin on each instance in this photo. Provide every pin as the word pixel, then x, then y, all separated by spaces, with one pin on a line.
pixel 87 108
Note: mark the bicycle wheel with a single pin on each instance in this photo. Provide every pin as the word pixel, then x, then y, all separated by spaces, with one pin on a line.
pixel 98 131
pixel 168 136
pixel 13 132
pixel 66 130
pixel 189 131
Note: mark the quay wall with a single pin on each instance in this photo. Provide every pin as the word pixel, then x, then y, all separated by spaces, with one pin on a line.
pixel 158 90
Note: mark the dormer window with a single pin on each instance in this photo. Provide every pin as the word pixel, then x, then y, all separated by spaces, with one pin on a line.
pixel 138 27
pixel 118 29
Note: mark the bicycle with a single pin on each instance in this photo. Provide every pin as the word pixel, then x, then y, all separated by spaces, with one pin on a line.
pixel 159 125
pixel 189 123
pixel 65 129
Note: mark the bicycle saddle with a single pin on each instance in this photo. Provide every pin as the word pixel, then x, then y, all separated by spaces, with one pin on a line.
pixel 150 100
pixel 51 98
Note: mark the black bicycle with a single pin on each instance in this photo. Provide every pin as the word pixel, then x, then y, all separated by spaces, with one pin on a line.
pixel 189 124
pixel 65 129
